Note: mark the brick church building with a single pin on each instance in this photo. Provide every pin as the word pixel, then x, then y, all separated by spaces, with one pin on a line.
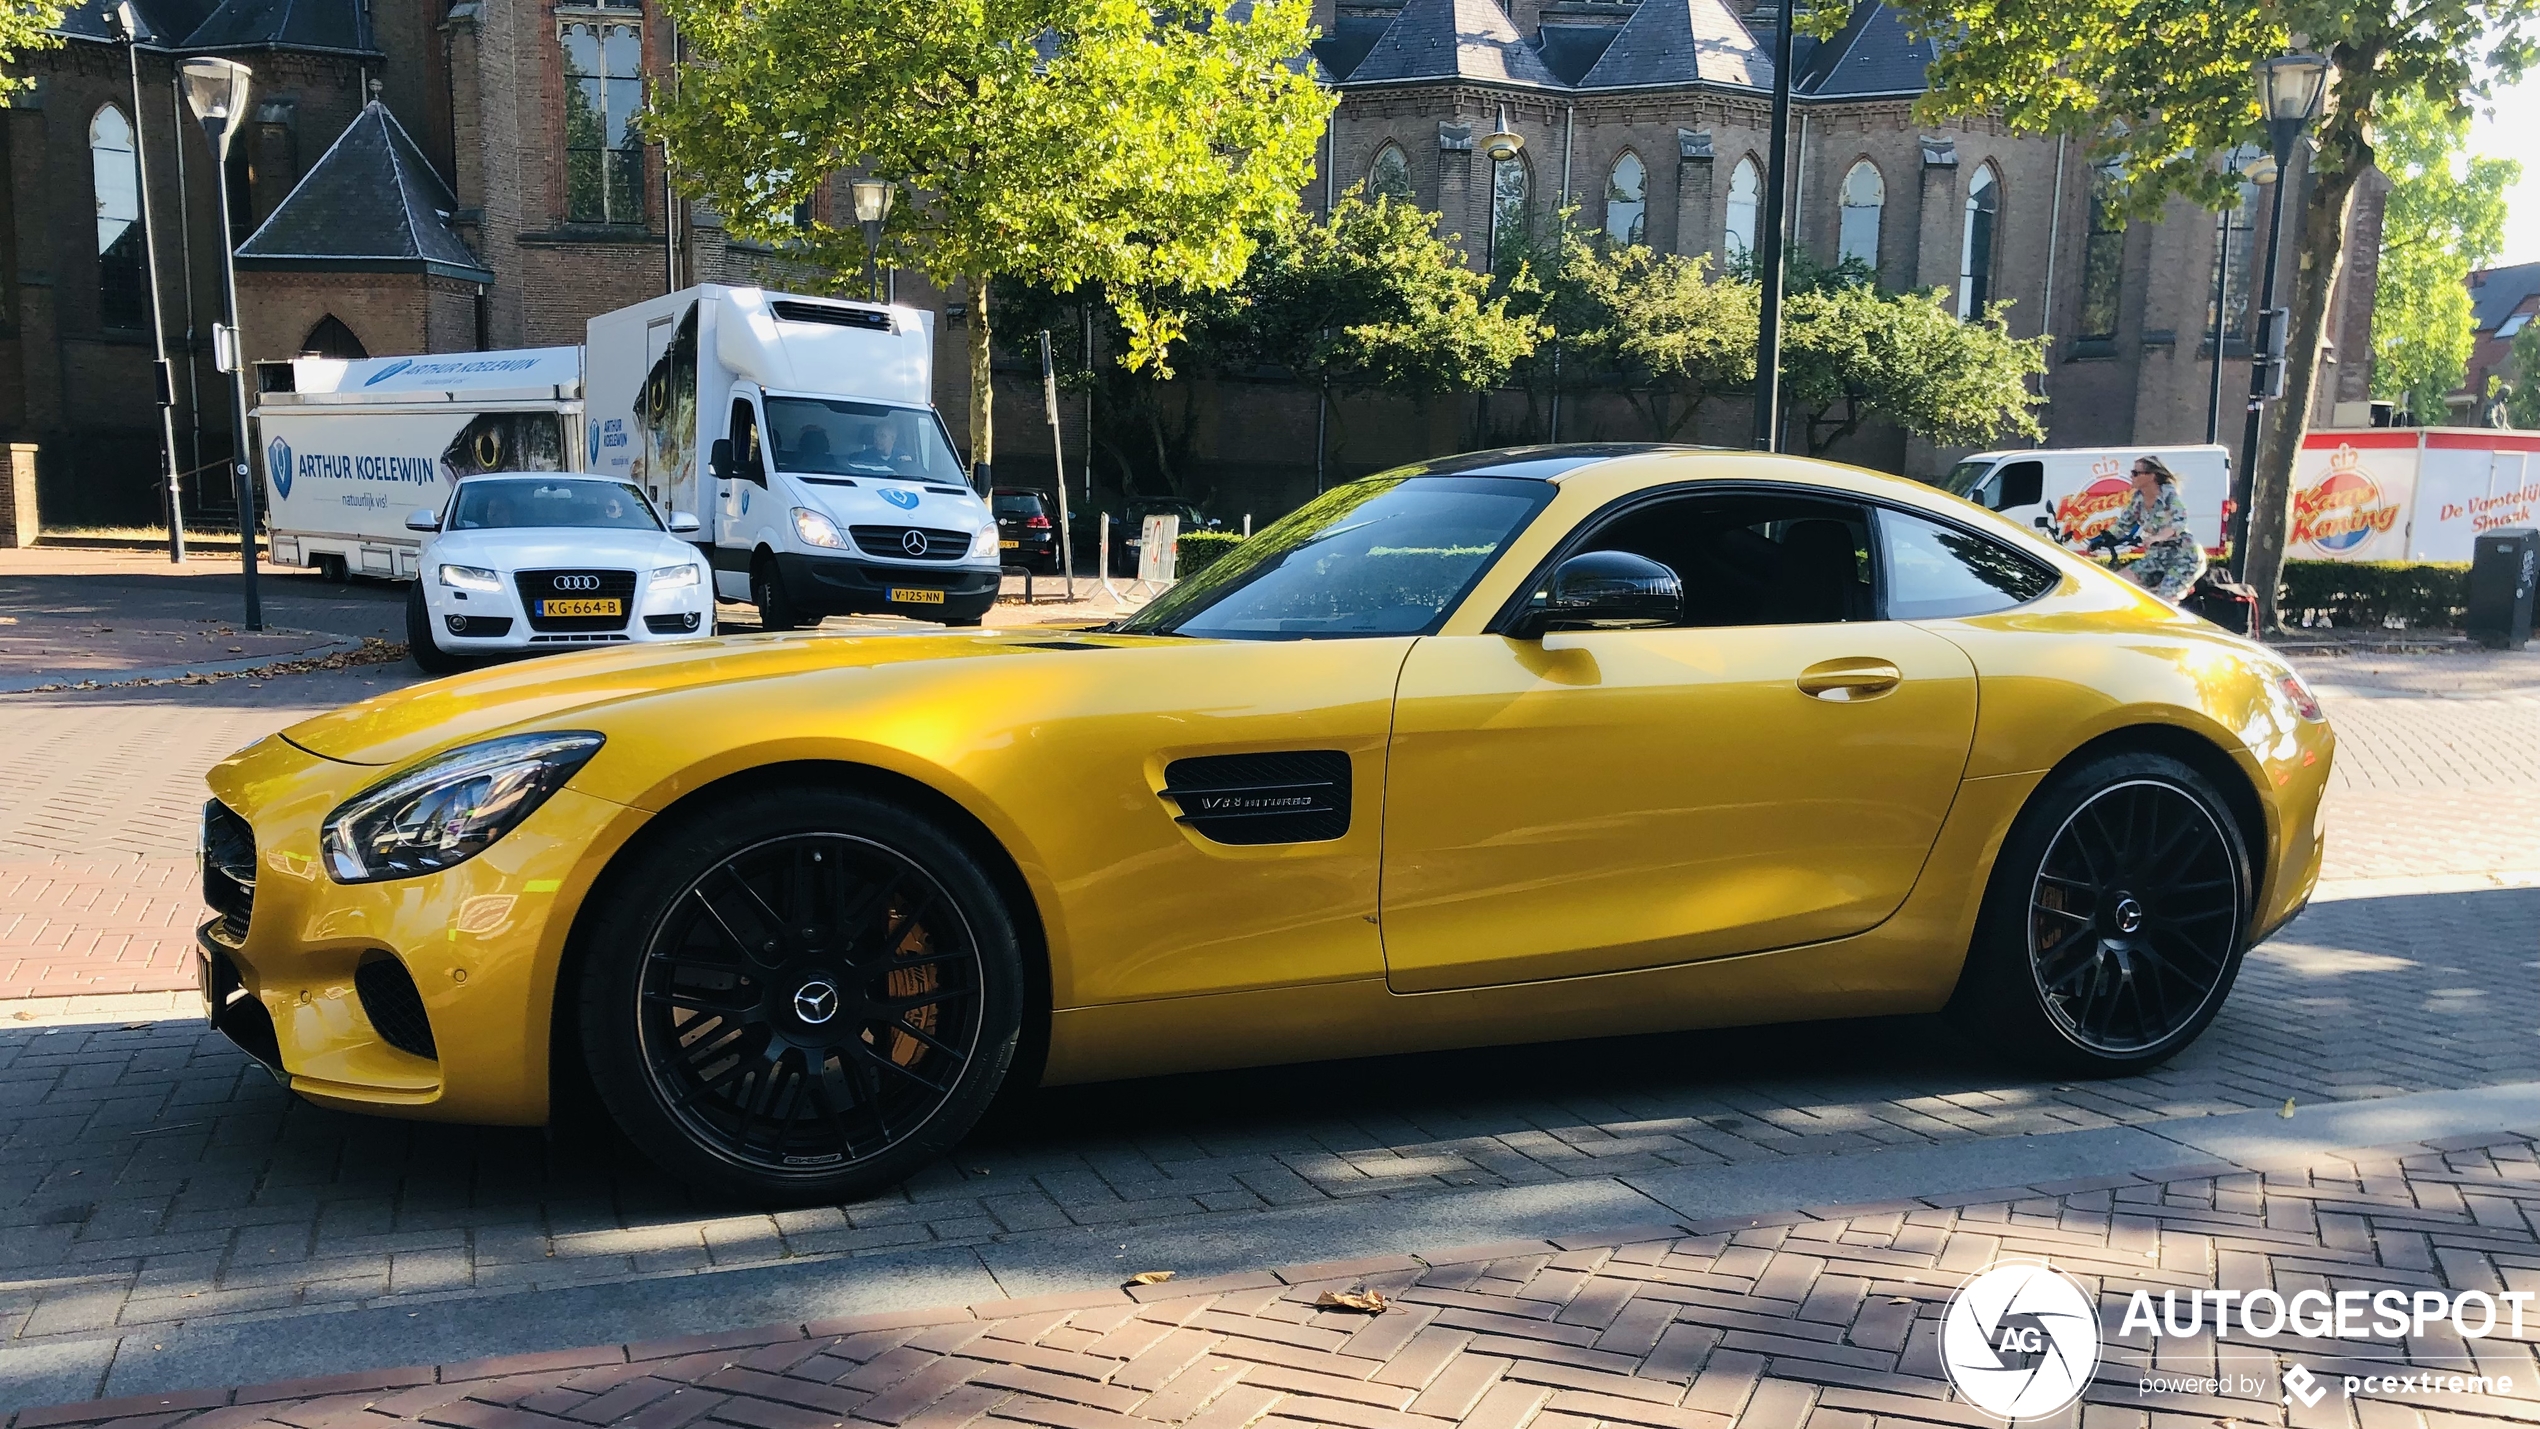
pixel 446 175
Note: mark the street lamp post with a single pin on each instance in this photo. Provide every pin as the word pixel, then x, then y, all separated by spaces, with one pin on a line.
pixel 128 28
pixel 216 90
pixel 2292 89
pixel 1768 249
pixel 872 206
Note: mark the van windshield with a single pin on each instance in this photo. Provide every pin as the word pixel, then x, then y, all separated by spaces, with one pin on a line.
pixel 1965 477
pixel 828 436
pixel 509 505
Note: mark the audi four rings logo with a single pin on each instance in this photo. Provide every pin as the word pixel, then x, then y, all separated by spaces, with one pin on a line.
pixel 913 542
pixel 2020 1340
pixel 576 582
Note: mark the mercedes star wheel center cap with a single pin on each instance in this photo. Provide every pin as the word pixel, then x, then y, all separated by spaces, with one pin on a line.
pixel 816 1001
pixel 2129 916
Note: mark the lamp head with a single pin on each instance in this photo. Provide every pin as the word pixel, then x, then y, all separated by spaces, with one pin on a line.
pixel 2260 170
pixel 872 200
pixel 1503 143
pixel 216 90
pixel 2293 88
pixel 126 24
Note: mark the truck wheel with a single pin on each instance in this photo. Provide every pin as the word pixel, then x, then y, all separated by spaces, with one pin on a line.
pixel 800 995
pixel 767 591
pixel 2114 921
pixel 331 570
pixel 426 651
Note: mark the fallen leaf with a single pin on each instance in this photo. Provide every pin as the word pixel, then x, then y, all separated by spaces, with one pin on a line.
pixel 1149 1277
pixel 1362 1299
pixel 2287 1113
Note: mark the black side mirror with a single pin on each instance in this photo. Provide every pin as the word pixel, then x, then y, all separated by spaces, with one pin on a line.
pixel 1604 590
pixel 719 459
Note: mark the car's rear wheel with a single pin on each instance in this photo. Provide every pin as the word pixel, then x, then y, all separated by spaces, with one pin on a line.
pixel 802 995
pixel 2115 920
pixel 776 609
pixel 426 650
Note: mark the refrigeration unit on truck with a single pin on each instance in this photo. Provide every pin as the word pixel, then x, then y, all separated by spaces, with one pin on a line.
pixel 803 432
pixel 2074 493
pixel 351 447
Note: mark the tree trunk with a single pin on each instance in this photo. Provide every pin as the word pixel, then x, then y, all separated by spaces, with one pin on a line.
pixel 983 435
pixel 2321 246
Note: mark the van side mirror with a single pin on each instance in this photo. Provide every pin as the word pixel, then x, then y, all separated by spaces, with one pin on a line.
pixel 683 522
pixel 719 459
pixel 1604 590
pixel 426 519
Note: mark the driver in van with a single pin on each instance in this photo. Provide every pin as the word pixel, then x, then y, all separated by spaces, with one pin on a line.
pixel 881 447
pixel 2155 517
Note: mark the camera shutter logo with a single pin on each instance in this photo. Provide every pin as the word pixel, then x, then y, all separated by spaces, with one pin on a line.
pixel 2020 1340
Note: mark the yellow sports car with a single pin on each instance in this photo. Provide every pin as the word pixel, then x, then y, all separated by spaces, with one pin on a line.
pixel 1544 743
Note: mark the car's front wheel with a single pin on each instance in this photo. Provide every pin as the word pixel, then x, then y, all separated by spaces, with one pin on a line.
pixel 2115 920
pixel 800 995
pixel 776 609
pixel 426 650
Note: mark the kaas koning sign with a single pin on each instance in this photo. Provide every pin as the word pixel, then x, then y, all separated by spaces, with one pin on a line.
pixel 2426 494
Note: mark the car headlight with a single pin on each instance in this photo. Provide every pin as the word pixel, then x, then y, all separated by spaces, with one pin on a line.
pixel 985 543
pixel 449 809
pixel 816 530
pixel 470 578
pixel 674 577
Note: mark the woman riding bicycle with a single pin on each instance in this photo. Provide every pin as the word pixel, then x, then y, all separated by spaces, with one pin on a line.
pixel 2155 517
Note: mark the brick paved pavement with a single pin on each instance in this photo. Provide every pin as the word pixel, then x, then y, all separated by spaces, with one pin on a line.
pixel 1826 1319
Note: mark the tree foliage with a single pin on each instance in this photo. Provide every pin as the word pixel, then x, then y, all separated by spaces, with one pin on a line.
pixel 1660 328
pixel 2522 399
pixel 2445 216
pixel 25 26
pixel 1138 144
pixel 2160 90
pixel 1849 350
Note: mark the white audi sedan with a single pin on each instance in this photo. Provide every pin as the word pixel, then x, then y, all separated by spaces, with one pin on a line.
pixel 532 562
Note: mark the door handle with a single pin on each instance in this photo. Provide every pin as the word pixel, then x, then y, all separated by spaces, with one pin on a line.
pixel 1846 680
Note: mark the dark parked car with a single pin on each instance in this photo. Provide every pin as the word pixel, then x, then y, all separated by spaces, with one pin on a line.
pixel 1026 536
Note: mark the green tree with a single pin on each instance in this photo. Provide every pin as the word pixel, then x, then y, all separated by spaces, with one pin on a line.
pixel 1661 328
pixel 2445 216
pixel 2160 90
pixel 2522 398
pixel 26 26
pixel 1850 351
pixel 1139 144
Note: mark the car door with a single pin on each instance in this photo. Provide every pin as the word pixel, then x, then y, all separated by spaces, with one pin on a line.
pixel 1773 772
pixel 737 490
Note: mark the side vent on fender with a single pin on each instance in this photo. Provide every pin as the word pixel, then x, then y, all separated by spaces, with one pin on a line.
pixel 1290 797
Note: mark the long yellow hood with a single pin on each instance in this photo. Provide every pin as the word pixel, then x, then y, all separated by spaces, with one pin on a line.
pixel 392 728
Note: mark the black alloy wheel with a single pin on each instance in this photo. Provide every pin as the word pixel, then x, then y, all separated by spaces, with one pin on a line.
pixel 818 995
pixel 2134 916
pixel 420 641
pixel 2115 921
pixel 776 610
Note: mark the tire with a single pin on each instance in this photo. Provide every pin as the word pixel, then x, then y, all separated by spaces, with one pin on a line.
pixel 776 610
pixel 331 570
pixel 879 1020
pixel 427 652
pixel 2114 922
pixel 972 622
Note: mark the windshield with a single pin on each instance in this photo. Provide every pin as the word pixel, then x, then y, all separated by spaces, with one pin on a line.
pixel 508 505
pixel 1378 557
pixel 1966 476
pixel 826 436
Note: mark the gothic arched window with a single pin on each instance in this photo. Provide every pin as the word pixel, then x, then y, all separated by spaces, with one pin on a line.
pixel 1509 209
pixel 1627 200
pixel 331 338
pixel 1746 186
pixel 122 297
pixel 1864 199
pixel 1975 244
pixel 1390 176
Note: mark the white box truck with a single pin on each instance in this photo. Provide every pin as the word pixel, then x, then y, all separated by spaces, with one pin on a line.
pixel 351 447
pixel 803 433
pixel 2077 492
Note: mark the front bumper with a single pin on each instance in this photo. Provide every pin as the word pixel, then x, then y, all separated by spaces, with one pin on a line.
pixel 482 944
pixel 478 621
pixel 846 585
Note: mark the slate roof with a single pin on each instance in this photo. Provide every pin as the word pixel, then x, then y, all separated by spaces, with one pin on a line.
pixel 1454 39
pixel 1872 55
pixel 1572 50
pixel 1679 42
pixel 2496 292
pixel 341 25
pixel 371 201
pixel 1340 49
pixel 169 21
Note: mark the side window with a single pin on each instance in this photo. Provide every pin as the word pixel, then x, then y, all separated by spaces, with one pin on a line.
pixel 748 464
pixel 1754 559
pixel 2022 483
pixel 1935 572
